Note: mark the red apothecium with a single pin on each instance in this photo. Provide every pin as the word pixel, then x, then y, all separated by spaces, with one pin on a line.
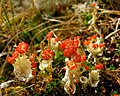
pixel 15 54
pixel 47 54
pixel 68 52
pixel 10 59
pixel 33 64
pixel 49 35
pixel 57 39
pixel 95 45
pixel 77 58
pixel 99 66
pixel 32 57
pixel 83 58
pixel 22 47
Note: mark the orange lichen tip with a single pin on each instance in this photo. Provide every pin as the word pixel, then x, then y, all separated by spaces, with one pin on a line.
pixel 94 36
pixel 22 47
pixel 86 42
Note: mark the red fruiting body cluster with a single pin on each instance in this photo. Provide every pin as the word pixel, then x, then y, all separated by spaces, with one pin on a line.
pixel 79 58
pixel 94 36
pixel 33 63
pixel 47 54
pixel 70 47
pixel 99 66
pixel 93 4
pixel 33 72
pixel 86 42
pixel 101 45
pixel 65 43
pixel 10 59
pixel 49 35
pixel 71 64
pixel 76 81
pixel 57 39
pixel 83 58
pixel 68 52
pixel 94 45
pixel 101 35
pixel 32 57
pixel 20 49
pixel 15 54
pixel 68 42
pixel 86 67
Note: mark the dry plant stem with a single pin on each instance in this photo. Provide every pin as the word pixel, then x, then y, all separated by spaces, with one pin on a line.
pixel 112 73
pixel 65 29
pixel 64 17
pixel 49 27
pixel 94 21
pixel 46 28
pixel 89 56
pixel 117 24
pixel 50 70
pixel 49 43
pixel 109 11
pixel 4 35
pixel 118 70
pixel 2 68
pixel 95 59
pixel 96 29
pixel 16 92
pixel 38 26
pixel 53 20
pixel 5 53
pixel 74 15
pixel 111 4
pixel 54 33
pixel 108 36
pixel 21 31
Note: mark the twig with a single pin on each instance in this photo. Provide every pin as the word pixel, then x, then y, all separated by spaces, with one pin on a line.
pixel 89 56
pixel 53 20
pixel 108 36
pixel 109 11
pixel 5 53
pixel 117 24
